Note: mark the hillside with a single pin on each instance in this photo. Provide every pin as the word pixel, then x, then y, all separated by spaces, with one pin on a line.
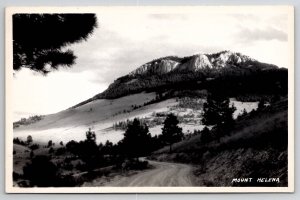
pixel 196 72
pixel 102 115
pixel 71 124
pixel 256 147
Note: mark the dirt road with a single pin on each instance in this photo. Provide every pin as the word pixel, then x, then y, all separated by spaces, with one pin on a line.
pixel 163 174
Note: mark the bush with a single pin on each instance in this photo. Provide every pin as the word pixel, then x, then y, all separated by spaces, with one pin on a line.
pixel 51 150
pixel 29 140
pixel 50 143
pixel 135 165
pixel 41 172
pixel 72 147
pixel 205 136
pixel 19 141
pixel 34 146
pixel 60 151
pixel 16 176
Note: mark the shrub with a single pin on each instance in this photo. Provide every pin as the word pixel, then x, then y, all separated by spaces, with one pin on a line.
pixel 16 176
pixel 41 172
pixel 51 150
pixel 34 146
pixel 60 151
pixel 50 143
pixel 19 141
pixel 29 139
pixel 205 135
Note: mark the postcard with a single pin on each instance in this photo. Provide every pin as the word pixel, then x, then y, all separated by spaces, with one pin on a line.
pixel 158 99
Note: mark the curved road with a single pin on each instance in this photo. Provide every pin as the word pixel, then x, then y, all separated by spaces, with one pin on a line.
pixel 164 174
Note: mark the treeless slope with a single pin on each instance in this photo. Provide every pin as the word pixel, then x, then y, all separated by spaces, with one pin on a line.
pixel 71 124
pixel 98 110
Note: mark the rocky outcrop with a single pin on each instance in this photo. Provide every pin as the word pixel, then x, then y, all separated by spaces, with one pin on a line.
pixel 193 63
pixel 162 66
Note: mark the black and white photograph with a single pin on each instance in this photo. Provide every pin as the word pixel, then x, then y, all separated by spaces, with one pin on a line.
pixel 149 99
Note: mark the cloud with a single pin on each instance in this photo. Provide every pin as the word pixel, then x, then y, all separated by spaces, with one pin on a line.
pixel 248 35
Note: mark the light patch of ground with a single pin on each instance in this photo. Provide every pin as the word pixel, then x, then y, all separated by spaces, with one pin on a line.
pixel 100 115
pixel 240 106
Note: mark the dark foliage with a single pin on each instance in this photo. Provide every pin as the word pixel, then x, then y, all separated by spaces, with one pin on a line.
pixel 27 121
pixel 41 172
pixel 51 150
pixel 87 150
pixel 50 143
pixel 31 154
pixel 60 151
pixel 171 132
pixel 72 147
pixel 29 140
pixel 136 141
pixel 16 176
pixel 134 164
pixel 34 146
pixel 217 111
pixel 206 136
pixel 39 39
pixel 19 141
pixel 231 81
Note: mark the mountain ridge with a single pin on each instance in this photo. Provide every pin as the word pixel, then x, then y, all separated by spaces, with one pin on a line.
pixel 170 70
pixel 191 63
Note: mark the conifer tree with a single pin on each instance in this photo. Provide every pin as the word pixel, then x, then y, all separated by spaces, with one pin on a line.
pixel 171 132
pixel 39 40
pixel 136 139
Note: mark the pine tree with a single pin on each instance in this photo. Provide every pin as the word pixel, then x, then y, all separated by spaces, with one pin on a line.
pixel 218 112
pixel 39 40
pixel 29 140
pixel 211 112
pixel 90 136
pixel 50 143
pixel 136 139
pixel 171 132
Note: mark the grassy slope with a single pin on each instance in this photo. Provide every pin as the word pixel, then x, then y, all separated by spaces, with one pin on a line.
pixel 71 124
pixel 257 147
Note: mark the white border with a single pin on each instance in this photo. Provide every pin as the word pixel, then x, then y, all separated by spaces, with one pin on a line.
pixel 150 9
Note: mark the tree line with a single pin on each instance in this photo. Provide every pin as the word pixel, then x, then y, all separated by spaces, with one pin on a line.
pixel 137 142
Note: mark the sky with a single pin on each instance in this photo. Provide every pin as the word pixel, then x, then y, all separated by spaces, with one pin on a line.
pixel 124 41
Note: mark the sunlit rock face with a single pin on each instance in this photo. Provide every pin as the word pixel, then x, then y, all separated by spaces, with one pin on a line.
pixel 194 63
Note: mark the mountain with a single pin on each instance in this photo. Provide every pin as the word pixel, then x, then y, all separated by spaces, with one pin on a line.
pixel 175 85
pixel 195 63
pixel 187 72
